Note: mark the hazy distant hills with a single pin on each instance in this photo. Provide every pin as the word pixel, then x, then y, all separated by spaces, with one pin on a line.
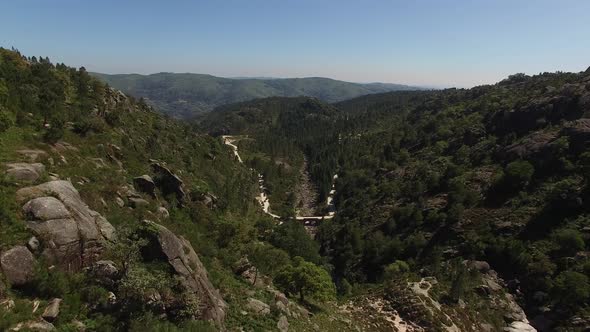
pixel 185 95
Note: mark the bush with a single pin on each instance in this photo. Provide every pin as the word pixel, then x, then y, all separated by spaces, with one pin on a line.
pixel 87 125
pixel 307 280
pixel 149 322
pixel 268 259
pixel 519 172
pixel 571 288
pixel 5 121
pixel 570 241
pixel 293 238
pixel 395 269
pixel 55 131
pixel 140 283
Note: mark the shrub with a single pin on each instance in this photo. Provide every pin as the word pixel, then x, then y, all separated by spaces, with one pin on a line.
pixel 307 280
pixel 89 124
pixel 571 288
pixel 268 259
pixel 5 121
pixel 519 172
pixel 570 241
pixel 395 269
pixel 55 131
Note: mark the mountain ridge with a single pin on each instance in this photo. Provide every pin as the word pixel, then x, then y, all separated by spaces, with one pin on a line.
pixel 184 95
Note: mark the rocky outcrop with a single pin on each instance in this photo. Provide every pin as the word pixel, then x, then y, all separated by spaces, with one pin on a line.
pixel 206 198
pixel 579 134
pixel 71 234
pixel 24 171
pixel 539 112
pixel 535 144
pixel 246 270
pixel 168 182
pixel 18 265
pixel 494 287
pixel 191 273
pixel 145 184
pixel 519 327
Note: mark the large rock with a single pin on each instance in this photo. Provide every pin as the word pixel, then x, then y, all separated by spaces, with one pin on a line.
pixel 281 297
pixel 242 265
pixel 168 182
pixel 209 200
pixel 579 134
pixel 32 155
pixel 258 307
pixel 514 311
pixel 246 270
pixel 33 244
pixel 283 324
pixel 135 202
pixel 519 327
pixel 481 266
pixel 18 265
pixel 192 274
pixel 45 208
pixel 38 325
pixel 145 184
pixel 163 213
pixel 105 272
pixel 52 310
pixel 24 171
pixel 72 235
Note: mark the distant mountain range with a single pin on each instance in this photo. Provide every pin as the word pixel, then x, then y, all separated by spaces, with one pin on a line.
pixel 187 95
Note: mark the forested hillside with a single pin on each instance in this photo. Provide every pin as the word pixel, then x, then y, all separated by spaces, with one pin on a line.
pixel 455 209
pixel 115 218
pixel 480 189
pixel 187 95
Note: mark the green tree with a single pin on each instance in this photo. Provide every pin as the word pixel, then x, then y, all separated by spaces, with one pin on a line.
pixel 571 288
pixel 570 241
pixel 519 173
pixel 307 280
pixel 395 270
pixel 459 284
pixel 267 259
pixel 5 120
pixel 3 92
pixel 292 237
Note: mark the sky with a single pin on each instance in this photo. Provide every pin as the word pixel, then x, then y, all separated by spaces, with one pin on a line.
pixel 437 43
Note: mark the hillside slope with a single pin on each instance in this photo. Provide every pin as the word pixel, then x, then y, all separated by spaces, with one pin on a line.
pixel 115 218
pixel 480 190
pixel 186 95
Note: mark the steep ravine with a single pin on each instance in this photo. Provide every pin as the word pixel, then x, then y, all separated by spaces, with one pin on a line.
pixel 263 197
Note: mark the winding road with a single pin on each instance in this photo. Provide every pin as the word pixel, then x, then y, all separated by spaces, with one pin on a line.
pixel 262 198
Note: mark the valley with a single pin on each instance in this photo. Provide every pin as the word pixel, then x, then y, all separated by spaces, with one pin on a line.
pixel 294 166
pixel 448 210
pixel 263 199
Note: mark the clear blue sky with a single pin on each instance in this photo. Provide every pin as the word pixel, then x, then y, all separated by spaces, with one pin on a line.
pixel 439 43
